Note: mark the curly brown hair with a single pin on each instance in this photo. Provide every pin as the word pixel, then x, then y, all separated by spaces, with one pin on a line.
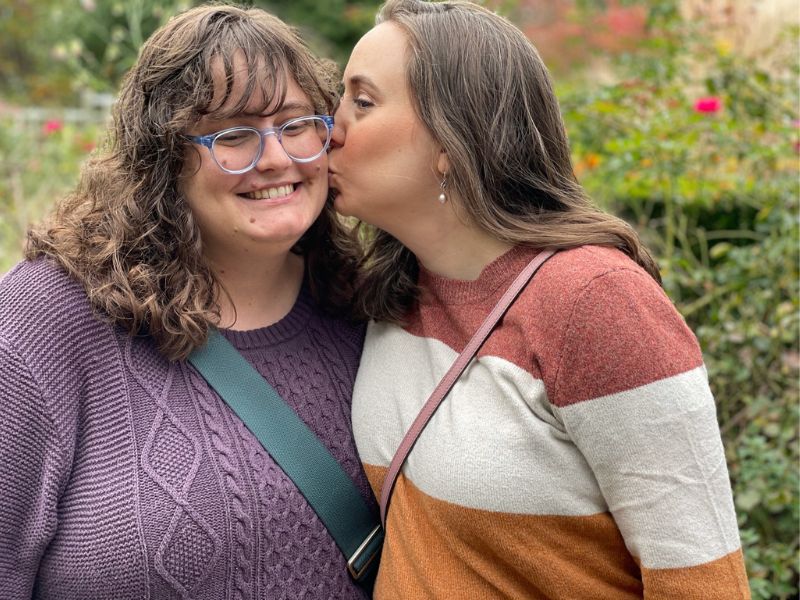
pixel 126 232
pixel 484 94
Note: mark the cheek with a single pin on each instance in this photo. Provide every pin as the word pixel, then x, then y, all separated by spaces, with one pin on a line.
pixel 375 140
pixel 193 166
pixel 190 186
pixel 316 172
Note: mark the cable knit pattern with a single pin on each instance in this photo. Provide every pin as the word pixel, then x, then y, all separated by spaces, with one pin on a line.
pixel 310 376
pixel 124 476
pixel 241 551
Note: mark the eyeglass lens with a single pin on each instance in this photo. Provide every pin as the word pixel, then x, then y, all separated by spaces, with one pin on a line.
pixel 302 139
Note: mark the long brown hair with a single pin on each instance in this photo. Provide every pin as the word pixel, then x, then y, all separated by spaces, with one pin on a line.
pixel 484 94
pixel 127 233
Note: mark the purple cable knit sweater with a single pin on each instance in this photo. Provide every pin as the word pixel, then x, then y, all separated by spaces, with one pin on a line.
pixel 124 476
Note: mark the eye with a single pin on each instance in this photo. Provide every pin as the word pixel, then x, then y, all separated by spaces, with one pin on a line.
pixel 236 137
pixel 297 127
pixel 362 102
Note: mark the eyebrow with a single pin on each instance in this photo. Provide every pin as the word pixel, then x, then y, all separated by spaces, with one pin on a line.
pixel 296 106
pixel 361 80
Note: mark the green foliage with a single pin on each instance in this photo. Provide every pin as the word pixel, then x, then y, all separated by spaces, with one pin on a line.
pixel 27 71
pixel 51 51
pixel 38 165
pixel 105 36
pixel 715 195
pixel 332 27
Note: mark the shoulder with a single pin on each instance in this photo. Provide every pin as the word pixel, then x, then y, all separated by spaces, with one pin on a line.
pixel 64 353
pixel 37 285
pixel 605 325
pixel 571 273
pixel 46 316
pixel 592 283
pixel 39 297
pixel 42 331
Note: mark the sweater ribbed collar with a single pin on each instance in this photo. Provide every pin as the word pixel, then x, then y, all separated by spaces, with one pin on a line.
pixel 498 273
pixel 288 327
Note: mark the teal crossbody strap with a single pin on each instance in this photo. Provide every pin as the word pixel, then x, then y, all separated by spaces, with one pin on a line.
pixel 307 462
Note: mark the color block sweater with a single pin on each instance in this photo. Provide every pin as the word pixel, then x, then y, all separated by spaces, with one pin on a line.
pixel 578 457
pixel 125 477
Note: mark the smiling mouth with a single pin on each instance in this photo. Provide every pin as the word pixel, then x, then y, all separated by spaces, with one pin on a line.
pixel 271 193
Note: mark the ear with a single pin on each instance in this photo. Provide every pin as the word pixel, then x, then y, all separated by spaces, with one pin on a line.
pixel 443 163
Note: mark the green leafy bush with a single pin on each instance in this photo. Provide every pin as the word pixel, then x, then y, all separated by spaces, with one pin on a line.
pixel 52 52
pixel 333 27
pixel 698 148
pixel 39 163
pixel 28 72
pixel 104 37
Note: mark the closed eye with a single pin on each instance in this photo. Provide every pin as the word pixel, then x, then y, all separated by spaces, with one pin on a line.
pixel 236 137
pixel 297 128
pixel 363 103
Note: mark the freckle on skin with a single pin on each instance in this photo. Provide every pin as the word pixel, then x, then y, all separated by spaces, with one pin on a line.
pixel 252 219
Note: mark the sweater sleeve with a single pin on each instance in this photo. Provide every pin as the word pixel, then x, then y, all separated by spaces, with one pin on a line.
pixel 29 466
pixel 633 394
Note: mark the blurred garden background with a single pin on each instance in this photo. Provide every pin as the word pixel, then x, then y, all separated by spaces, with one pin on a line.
pixel 683 117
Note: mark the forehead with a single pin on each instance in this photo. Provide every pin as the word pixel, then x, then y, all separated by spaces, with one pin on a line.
pixel 381 54
pixel 243 89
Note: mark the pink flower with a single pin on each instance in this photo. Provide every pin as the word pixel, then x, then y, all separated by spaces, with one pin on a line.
pixel 52 126
pixel 709 104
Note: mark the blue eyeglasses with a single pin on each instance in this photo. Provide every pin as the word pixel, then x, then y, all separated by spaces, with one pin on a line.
pixel 237 149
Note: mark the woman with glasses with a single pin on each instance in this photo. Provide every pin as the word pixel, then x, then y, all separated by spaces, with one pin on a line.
pixel 123 474
pixel 578 455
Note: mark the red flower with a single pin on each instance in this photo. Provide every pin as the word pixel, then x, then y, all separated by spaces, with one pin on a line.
pixel 710 104
pixel 52 126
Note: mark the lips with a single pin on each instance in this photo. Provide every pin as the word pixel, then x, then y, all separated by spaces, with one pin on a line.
pixel 331 175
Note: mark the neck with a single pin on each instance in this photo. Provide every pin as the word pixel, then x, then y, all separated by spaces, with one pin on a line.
pixel 447 246
pixel 256 291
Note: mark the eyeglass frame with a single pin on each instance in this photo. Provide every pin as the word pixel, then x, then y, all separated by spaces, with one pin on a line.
pixel 208 141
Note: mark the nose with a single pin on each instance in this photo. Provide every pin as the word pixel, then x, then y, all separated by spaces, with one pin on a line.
pixel 273 156
pixel 337 134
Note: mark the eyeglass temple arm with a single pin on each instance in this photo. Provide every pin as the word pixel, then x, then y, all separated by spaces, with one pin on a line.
pixel 203 140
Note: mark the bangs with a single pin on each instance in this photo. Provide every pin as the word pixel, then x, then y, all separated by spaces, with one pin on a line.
pixel 240 68
pixel 227 63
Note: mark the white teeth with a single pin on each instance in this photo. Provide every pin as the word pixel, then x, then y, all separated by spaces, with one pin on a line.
pixel 271 193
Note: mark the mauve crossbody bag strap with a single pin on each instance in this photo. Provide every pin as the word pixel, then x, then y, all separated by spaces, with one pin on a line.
pixel 453 374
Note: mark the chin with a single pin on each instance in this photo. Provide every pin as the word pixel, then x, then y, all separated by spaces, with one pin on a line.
pixel 340 206
pixel 282 230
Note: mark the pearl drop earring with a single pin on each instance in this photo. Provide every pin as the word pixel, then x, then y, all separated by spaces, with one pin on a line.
pixel 443 185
